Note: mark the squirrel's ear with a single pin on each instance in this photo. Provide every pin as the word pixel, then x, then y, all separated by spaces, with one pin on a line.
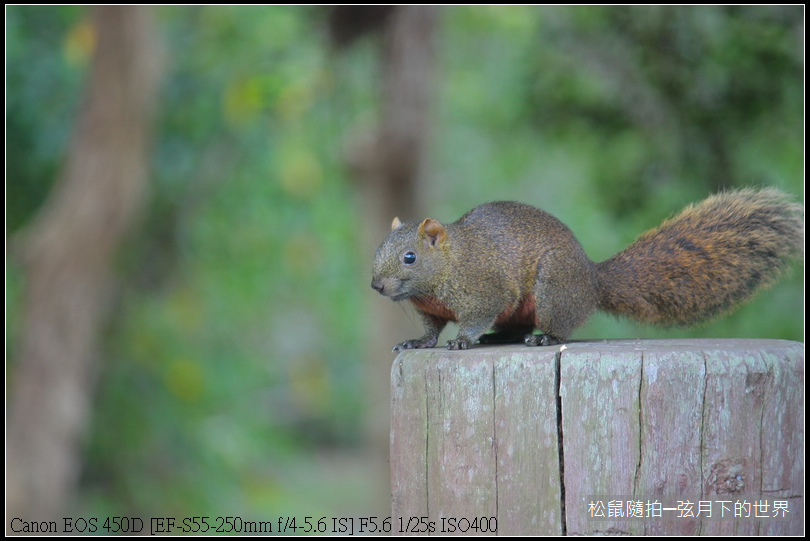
pixel 395 224
pixel 433 231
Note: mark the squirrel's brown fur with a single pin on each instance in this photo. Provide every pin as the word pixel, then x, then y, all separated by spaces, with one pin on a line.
pixel 515 268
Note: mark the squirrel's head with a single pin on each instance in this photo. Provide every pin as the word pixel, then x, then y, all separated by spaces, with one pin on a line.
pixel 409 259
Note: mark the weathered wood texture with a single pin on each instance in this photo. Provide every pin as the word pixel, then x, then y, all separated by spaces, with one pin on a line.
pixel 531 435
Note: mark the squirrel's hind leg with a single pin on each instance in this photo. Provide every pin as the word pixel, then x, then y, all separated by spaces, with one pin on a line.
pixel 565 292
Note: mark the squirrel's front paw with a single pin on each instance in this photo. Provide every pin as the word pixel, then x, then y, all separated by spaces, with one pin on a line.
pixel 407 344
pixel 414 344
pixel 459 343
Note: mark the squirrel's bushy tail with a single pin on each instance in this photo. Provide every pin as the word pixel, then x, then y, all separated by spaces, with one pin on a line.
pixel 706 260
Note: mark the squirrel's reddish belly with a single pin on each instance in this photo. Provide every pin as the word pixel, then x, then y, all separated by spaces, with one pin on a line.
pixel 432 306
pixel 521 316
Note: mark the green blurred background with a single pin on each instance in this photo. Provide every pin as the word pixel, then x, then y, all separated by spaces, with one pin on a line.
pixel 233 371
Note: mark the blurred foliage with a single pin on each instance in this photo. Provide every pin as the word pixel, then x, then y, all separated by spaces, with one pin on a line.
pixel 231 362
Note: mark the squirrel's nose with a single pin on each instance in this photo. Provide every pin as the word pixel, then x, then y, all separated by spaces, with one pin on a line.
pixel 377 286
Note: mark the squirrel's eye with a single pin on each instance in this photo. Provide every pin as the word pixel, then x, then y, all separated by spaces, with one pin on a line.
pixel 409 258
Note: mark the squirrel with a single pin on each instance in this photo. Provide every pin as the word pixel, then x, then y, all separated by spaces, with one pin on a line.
pixel 514 268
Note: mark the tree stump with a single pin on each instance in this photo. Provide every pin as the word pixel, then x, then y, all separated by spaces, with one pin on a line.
pixel 658 437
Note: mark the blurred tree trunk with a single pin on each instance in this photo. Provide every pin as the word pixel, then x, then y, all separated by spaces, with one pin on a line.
pixel 67 255
pixel 387 165
pixel 399 153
